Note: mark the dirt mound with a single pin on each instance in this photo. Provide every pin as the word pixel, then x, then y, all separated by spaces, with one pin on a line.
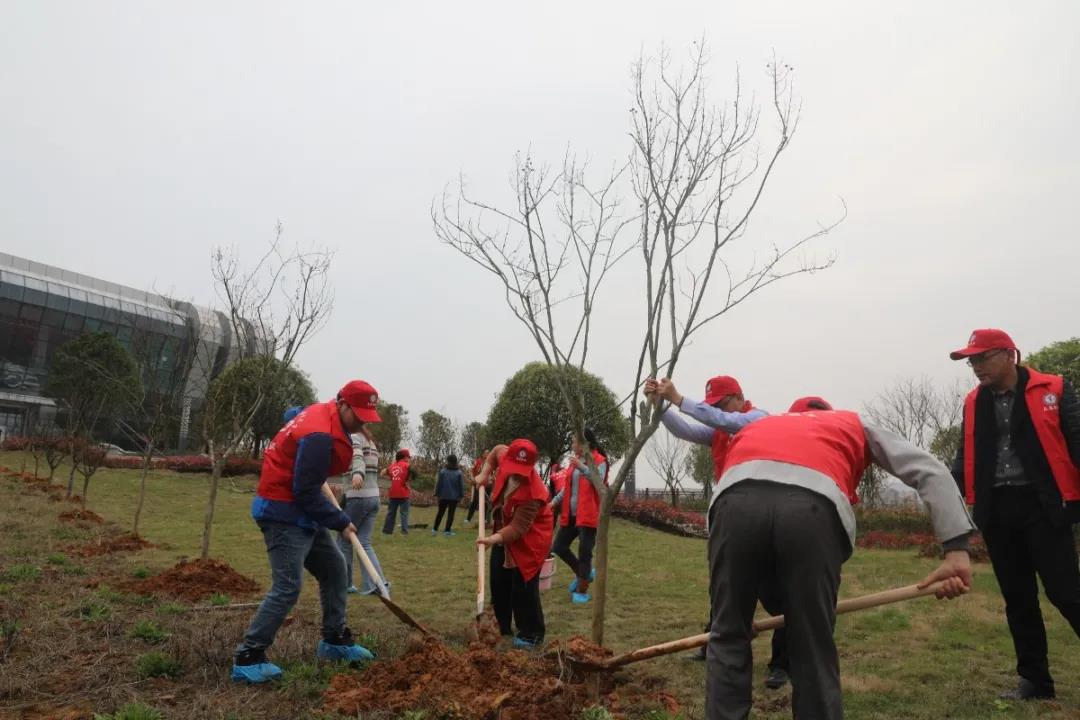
pixel 197 579
pixel 62 713
pixel 85 515
pixel 109 544
pixel 481 683
pixel 583 649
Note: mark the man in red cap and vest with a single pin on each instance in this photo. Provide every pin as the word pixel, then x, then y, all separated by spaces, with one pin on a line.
pixel 724 411
pixel 295 509
pixel 782 512
pixel 1017 465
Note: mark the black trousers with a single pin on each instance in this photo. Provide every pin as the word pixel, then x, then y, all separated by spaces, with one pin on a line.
pixel 475 503
pixel 514 599
pixel 586 536
pixel 1022 544
pixel 763 532
pixel 769 594
pixel 449 507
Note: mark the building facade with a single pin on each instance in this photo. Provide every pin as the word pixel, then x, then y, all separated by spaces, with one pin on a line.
pixel 42 307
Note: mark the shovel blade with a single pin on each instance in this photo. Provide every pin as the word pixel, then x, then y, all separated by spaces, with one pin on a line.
pixel 403 616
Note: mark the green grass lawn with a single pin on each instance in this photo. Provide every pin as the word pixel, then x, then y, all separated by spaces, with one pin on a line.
pixel 922 659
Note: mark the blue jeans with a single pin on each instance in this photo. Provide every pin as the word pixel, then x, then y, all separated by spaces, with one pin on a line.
pixel 362 512
pixel 291 550
pixel 391 513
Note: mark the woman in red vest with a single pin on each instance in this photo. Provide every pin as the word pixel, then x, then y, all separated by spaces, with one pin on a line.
pixel 399 472
pixel 519 545
pixel 580 513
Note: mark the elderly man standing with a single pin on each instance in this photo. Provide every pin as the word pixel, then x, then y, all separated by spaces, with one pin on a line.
pixel 1018 465
pixel 295 509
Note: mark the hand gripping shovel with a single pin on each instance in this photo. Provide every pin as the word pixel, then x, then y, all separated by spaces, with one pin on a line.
pixel 481 566
pixel 384 594
pixel 770 623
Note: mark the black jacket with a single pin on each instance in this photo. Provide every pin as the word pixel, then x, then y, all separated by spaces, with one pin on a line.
pixel 1027 447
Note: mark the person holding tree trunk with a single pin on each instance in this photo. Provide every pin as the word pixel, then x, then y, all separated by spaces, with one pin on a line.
pixel 521 520
pixel 295 509
pixel 1018 464
pixel 782 512
pixel 580 513
pixel 724 411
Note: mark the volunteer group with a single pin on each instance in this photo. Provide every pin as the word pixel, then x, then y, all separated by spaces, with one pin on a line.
pixel 780 521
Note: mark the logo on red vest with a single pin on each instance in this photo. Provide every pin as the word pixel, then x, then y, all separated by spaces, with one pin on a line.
pixel 1050 401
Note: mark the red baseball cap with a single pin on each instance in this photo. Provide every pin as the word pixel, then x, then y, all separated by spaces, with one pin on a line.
pixel 983 340
pixel 806 404
pixel 403 453
pixel 520 458
pixel 362 398
pixel 720 387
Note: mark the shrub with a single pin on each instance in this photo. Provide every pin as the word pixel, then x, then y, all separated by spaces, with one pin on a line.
pixel 156 664
pixel 18 573
pixel 661 516
pixel 220 599
pixel 140 573
pixel 149 632
pixel 132 711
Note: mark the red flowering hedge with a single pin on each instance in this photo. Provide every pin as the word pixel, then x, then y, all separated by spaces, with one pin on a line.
pixel 926 543
pixel 186 464
pixel 661 516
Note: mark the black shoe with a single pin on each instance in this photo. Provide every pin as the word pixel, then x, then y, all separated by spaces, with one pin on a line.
pixel 250 657
pixel 777 678
pixel 1027 690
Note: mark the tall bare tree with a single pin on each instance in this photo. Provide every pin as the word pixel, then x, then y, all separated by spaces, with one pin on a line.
pixel 697 176
pixel 272 308
pixel 667 457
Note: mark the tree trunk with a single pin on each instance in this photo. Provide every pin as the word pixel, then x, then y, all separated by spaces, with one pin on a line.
pixel 35 465
pixel 208 523
pixel 142 487
pixel 71 478
pixel 85 489
pixel 674 496
pixel 600 560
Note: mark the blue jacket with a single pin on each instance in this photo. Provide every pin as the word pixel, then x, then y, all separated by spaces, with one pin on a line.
pixel 450 485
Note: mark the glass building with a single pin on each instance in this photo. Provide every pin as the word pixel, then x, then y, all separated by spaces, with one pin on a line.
pixel 42 307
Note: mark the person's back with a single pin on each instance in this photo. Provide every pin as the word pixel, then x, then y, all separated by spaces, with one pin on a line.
pixel 449 489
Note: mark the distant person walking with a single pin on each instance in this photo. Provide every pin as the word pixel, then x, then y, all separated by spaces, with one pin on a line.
pixel 449 489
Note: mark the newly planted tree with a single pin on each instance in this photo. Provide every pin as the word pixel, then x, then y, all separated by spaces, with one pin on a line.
pixel 697 173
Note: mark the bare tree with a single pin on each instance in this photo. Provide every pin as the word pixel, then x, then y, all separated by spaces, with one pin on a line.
pixel 697 177
pixel 273 309
pixel 919 410
pixel 667 457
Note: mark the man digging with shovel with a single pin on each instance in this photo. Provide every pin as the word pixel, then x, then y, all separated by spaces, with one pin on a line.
pixel 782 510
pixel 296 510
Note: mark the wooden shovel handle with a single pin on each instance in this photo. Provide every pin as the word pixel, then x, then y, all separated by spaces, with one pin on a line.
pixel 862 602
pixel 481 565
pixel 368 565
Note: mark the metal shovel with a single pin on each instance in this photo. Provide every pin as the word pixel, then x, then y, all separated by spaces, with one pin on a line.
pixel 384 593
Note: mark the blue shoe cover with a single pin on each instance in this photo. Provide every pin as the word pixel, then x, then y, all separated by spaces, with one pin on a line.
pixel 343 653
pixel 573 586
pixel 255 674
pixel 580 598
pixel 523 644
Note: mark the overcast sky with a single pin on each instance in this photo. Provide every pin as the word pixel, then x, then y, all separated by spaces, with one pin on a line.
pixel 135 137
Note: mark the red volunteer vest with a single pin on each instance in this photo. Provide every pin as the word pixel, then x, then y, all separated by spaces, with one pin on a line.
pixel 1042 395
pixel 588 500
pixel 531 549
pixel 276 478
pixel 720 441
pixel 399 480
pixel 831 442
